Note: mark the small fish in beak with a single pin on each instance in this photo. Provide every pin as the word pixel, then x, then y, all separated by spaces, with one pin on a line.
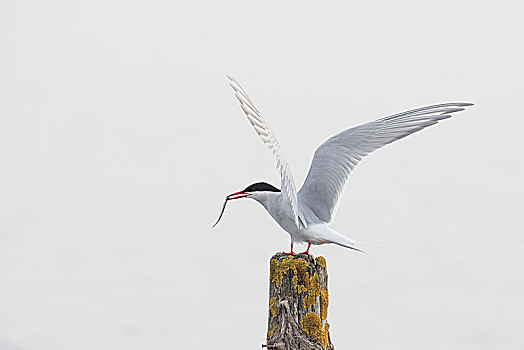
pixel 236 195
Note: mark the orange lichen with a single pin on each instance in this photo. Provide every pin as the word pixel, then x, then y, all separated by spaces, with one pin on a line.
pixel 312 325
pixel 321 261
pixel 325 335
pixel 324 303
pixel 277 269
pixel 273 306
pixel 273 270
pixel 313 291
pixel 271 332
pixel 304 278
pixel 294 280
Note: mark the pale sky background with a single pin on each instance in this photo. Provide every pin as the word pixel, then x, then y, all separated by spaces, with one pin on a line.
pixel 119 138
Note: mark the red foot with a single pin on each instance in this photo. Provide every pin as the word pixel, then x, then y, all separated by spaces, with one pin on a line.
pixel 291 252
pixel 307 250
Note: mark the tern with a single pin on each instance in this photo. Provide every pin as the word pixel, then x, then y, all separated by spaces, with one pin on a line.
pixel 306 214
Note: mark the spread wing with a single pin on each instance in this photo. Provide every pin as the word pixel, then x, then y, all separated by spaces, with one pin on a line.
pixel 268 137
pixel 335 159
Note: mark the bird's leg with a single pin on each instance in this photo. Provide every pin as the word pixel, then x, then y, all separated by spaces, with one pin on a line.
pixel 291 252
pixel 307 250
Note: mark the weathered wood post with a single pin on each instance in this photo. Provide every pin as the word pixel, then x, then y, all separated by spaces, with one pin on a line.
pixel 298 303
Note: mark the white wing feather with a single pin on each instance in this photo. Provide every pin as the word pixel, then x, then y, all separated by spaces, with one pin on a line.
pixel 268 137
pixel 335 159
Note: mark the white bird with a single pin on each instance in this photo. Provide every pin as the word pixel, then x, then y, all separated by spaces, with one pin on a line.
pixel 305 214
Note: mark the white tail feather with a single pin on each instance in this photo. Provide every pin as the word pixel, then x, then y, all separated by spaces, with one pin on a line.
pixel 332 236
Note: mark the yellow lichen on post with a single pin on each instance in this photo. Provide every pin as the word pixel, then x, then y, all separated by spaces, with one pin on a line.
pixel 325 335
pixel 277 269
pixel 271 332
pixel 313 291
pixel 324 303
pixel 298 295
pixel 294 280
pixel 321 261
pixel 273 306
pixel 273 273
pixel 298 267
pixel 312 325
pixel 301 289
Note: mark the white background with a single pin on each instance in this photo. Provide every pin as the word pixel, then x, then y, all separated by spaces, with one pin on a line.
pixel 119 138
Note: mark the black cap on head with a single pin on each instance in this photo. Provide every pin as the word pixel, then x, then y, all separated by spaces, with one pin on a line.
pixel 261 186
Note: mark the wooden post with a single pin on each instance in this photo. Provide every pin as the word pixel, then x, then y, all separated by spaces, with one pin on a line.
pixel 298 303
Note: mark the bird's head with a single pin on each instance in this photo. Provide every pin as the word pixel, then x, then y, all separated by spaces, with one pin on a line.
pixel 255 191
pixel 258 191
pixel 259 188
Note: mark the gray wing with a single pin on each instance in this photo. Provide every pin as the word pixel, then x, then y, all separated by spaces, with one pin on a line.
pixel 268 137
pixel 335 159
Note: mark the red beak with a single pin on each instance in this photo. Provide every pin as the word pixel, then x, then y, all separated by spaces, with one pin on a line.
pixel 237 195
